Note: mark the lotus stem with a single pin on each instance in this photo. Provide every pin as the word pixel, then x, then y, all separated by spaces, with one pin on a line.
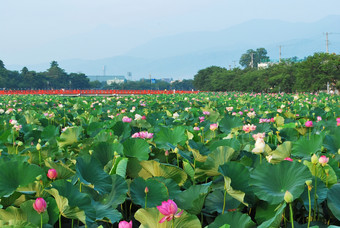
pixel 146 199
pixel 39 157
pixel 173 222
pixel 224 198
pixel 315 194
pixel 41 220
pixel 59 219
pixel 291 215
pixel 309 208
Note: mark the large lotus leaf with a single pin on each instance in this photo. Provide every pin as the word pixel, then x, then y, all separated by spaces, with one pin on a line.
pixel 150 217
pixel 233 143
pixel 16 174
pixel 157 192
pixel 25 213
pixel 321 191
pixel 71 203
pixel 103 151
pixel 69 136
pixel 122 130
pixel 199 151
pixel 333 200
pixel 105 211
pixel 276 219
pixel 90 172
pixel 192 199
pixel 137 148
pixel 236 177
pixel 172 186
pixel 94 128
pixel 64 172
pixel 219 156
pixel 305 147
pixel 147 169
pixel 228 123
pixel 214 202
pixel 234 219
pixel 119 167
pixel 168 136
pixel 330 179
pixel 52 209
pixel 16 224
pixel 270 182
pixel 118 192
pixel 281 152
pixel 49 132
pixel 332 142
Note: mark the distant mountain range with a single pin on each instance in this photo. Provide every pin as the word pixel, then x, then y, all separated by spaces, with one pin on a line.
pixel 183 55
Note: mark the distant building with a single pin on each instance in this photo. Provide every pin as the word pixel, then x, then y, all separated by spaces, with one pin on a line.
pixel 262 65
pixel 109 79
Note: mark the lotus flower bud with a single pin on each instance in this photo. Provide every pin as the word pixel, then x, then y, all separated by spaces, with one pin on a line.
pixel 146 190
pixel 323 160
pixel 125 224
pixel 176 150
pixel 314 159
pixel 288 197
pixel 309 182
pixel 40 205
pixel 38 147
pixel 38 177
pixel 339 151
pixel 166 153
pixel 20 143
pixel 52 174
pixel 90 152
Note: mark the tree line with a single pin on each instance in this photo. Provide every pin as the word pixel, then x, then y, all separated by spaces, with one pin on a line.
pixel 311 74
pixel 56 78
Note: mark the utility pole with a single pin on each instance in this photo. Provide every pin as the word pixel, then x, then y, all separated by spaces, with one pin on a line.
pixel 252 60
pixel 327 42
pixel 234 63
pixel 280 54
pixel 229 67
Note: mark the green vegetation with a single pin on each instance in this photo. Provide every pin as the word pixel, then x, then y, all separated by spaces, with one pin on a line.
pixel 312 74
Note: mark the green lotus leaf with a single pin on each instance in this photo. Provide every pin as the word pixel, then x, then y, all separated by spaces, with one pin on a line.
pixel 105 211
pixel 120 166
pixel 171 185
pixel 71 203
pixel 122 130
pixel 236 177
pixel 214 202
pixel 90 172
pixel 16 174
pixel 329 179
pixel 147 169
pixel 103 151
pixel 69 136
pixel 276 219
pixel 94 128
pixel 25 213
pixel 192 199
pixel 305 147
pixel 234 219
pixel 53 211
pixel 333 200
pixel 49 132
pixel 117 195
pixel 219 156
pixel 228 123
pixel 281 152
pixel 270 182
pixel 16 223
pixel 332 142
pixel 233 143
pixel 137 148
pixel 321 191
pixel 157 192
pixel 168 136
pixel 150 217
pixel 199 151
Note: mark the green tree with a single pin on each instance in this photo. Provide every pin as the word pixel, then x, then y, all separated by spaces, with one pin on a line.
pixel 202 80
pixel 259 56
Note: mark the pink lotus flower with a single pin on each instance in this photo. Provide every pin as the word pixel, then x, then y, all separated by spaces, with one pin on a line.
pixel 213 127
pixel 135 135
pixel 288 159
pixel 338 119
pixel 259 136
pixel 229 109
pixel 309 123
pixel 143 117
pixel 201 118
pixel 169 209
pixel 206 113
pixel 40 205
pixel 125 224
pixel 196 128
pixel 318 118
pixel 52 174
pixel 323 160
pixel 126 119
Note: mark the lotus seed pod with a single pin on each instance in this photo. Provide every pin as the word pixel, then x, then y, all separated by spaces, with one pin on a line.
pixel 314 159
pixel 288 197
pixel 176 150
pixel 309 182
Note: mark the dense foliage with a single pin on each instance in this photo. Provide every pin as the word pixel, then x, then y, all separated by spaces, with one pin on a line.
pixel 225 159
pixel 312 75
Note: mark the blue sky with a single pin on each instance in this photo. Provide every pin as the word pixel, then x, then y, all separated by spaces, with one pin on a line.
pixel 26 25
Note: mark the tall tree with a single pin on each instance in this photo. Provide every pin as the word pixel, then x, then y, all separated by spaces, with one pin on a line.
pixel 258 56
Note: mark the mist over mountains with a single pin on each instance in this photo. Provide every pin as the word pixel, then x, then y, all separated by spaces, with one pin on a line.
pixel 183 55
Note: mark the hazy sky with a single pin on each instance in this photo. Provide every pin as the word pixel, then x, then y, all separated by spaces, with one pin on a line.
pixel 26 25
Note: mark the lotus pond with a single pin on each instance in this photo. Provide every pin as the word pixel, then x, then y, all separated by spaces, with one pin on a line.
pixel 193 160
